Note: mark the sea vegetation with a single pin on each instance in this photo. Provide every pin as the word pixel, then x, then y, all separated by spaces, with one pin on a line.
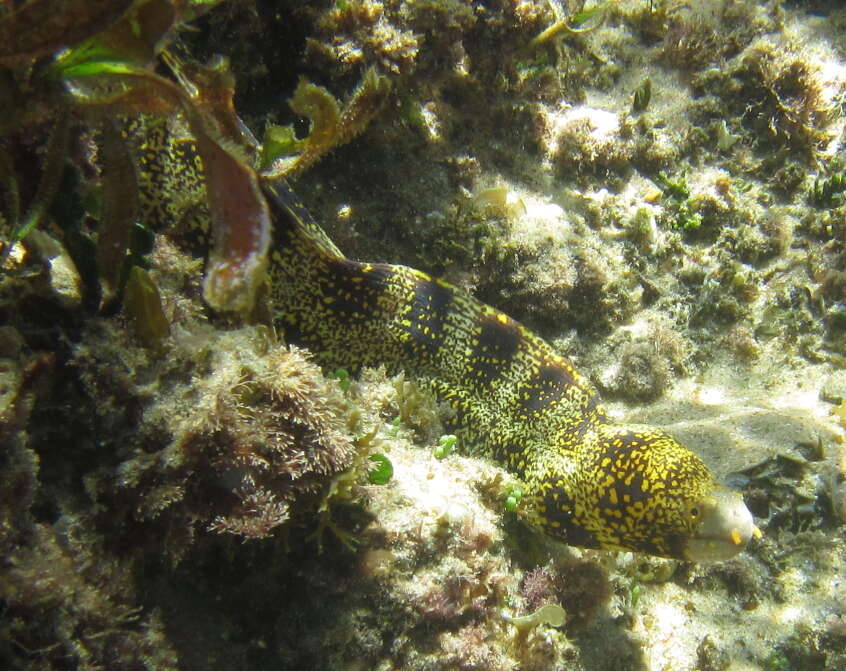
pixel 105 72
pixel 68 598
pixel 108 76
pixel 827 190
pixel 580 588
pixel 693 40
pixel 776 94
pixel 245 427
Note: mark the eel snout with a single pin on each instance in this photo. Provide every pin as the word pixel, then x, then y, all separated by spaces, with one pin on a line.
pixel 725 528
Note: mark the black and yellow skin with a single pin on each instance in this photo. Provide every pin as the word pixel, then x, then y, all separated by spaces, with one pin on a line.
pixel 588 482
pixel 170 177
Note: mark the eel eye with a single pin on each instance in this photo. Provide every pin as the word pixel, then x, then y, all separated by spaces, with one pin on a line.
pixel 694 512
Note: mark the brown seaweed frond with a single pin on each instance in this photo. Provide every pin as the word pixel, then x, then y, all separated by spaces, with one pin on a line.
pixel 240 216
pixel 54 164
pixel 107 73
pixel 120 209
pixel 258 515
pixel 42 27
pixel 331 125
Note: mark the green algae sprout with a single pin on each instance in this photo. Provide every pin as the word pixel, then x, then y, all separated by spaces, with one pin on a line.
pixel 445 446
pixel 342 375
pixel 642 96
pixel 383 471
pixel 512 500
pixel 581 22
pixel 550 613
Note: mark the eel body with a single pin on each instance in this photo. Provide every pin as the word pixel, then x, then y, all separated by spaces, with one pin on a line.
pixel 588 482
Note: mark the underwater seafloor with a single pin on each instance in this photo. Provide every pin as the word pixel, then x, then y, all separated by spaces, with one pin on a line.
pixel 656 187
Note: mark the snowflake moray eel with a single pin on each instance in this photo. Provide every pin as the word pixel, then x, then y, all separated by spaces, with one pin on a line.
pixel 588 482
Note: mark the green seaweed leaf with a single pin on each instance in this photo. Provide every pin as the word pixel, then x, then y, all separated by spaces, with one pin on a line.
pixel 446 444
pixel 95 68
pixel 278 141
pixel 677 188
pixel 642 95
pixel 342 375
pixel 828 191
pixel 382 473
pixel 581 22
pixel 133 40
pixel 143 303
pixel 512 499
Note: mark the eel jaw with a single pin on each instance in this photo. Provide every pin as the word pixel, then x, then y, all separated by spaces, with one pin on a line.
pixel 724 529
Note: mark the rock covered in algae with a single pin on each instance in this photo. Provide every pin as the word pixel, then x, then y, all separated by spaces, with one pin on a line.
pixel 68 599
pixel 233 432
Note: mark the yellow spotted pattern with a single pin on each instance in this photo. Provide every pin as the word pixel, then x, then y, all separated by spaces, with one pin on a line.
pixel 170 174
pixel 587 482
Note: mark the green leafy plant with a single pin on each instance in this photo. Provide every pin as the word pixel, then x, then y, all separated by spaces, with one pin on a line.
pixel 642 96
pixel 828 191
pixel 674 188
pixel 512 499
pixel 92 65
pixel 99 65
pixel 394 428
pixel 383 470
pixel 634 594
pixel 677 194
pixel 445 446
pixel 342 375
pixel 534 66
pixel 581 22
